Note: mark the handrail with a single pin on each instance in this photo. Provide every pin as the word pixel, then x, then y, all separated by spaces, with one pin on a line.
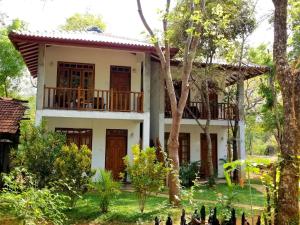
pixel 219 111
pixel 92 99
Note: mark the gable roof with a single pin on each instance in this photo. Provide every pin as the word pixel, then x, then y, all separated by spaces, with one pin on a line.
pixel 248 70
pixel 27 43
pixel 12 112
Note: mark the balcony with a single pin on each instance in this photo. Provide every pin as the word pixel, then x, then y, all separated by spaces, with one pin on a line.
pixel 92 100
pixel 219 111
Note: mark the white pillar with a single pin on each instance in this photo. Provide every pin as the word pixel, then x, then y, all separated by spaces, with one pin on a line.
pixel 40 84
pixel 146 130
pixel 241 140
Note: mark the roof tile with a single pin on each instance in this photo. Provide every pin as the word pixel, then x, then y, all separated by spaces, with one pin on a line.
pixel 11 112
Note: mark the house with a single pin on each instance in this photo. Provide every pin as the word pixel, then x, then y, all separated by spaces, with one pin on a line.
pixel 106 92
pixel 11 113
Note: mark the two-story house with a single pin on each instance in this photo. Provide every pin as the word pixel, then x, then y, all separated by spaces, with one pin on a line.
pixel 107 92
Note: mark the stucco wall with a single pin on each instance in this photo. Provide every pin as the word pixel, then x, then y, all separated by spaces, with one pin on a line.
pixel 157 103
pixel 195 147
pixel 99 127
pixel 102 58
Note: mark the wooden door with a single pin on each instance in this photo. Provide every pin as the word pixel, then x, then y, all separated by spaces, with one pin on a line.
pixel 120 80
pixel 184 147
pixel 116 149
pixel 204 149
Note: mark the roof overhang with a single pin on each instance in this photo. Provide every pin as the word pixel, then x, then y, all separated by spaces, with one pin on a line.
pixel 248 71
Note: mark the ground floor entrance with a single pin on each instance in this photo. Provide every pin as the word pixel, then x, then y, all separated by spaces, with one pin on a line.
pixel 204 150
pixel 116 150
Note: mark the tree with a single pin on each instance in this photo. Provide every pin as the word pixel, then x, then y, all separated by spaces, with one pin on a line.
pixel 193 34
pixel 11 62
pixel 73 166
pixel 37 152
pixel 147 174
pixel 81 22
pixel 289 81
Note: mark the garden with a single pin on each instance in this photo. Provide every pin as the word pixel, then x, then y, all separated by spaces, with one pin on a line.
pixel 52 183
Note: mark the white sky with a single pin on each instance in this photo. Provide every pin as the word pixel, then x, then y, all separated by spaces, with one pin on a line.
pixel 120 16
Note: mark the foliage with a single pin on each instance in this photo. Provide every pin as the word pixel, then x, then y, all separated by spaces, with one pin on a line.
pixel 270 112
pixel 107 189
pixel 188 173
pixel 11 62
pixel 147 175
pixel 294 22
pixel 73 165
pixel 250 166
pixel 223 22
pixel 37 151
pixel 20 198
pixel 81 22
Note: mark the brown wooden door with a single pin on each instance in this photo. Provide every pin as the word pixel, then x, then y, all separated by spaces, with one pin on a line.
pixel 204 149
pixel 116 149
pixel 120 80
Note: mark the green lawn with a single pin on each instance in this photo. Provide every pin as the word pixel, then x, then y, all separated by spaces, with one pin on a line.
pixel 242 194
pixel 125 207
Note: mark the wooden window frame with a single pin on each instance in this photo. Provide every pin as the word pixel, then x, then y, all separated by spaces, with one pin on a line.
pixel 75 66
pixel 181 134
pixel 80 130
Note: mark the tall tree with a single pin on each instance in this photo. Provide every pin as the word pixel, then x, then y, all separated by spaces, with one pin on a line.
pixel 289 80
pixel 11 63
pixel 193 33
pixel 81 22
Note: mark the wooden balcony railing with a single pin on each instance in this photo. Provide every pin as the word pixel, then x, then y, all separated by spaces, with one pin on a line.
pixel 92 100
pixel 219 111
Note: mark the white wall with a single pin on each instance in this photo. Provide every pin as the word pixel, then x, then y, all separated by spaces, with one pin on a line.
pixel 102 58
pixel 99 127
pixel 195 147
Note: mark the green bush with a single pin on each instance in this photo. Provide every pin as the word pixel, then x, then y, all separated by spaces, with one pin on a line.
pixel 107 189
pixel 37 152
pixel 21 199
pixel 73 167
pixel 146 173
pixel 188 172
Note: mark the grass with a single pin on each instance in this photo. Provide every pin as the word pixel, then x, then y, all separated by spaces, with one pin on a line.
pixel 242 194
pixel 124 209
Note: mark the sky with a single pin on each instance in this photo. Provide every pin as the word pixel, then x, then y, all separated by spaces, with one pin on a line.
pixel 120 16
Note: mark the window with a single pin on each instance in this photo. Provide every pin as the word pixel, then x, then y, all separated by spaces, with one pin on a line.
pixel 75 75
pixel 184 147
pixel 77 136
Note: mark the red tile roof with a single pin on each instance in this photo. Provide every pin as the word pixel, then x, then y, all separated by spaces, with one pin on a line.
pixel 27 43
pixel 11 112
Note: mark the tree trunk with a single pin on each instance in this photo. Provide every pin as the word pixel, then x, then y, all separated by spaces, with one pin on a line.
pixel 173 145
pixel 288 190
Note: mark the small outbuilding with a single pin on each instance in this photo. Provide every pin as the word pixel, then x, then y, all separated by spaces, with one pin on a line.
pixel 12 111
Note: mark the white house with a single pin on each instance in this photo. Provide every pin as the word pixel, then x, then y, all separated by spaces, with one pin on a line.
pixel 107 92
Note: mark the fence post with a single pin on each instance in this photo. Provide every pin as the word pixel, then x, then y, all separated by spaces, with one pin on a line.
pixel 169 221
pixel 203 214
pixel 182 218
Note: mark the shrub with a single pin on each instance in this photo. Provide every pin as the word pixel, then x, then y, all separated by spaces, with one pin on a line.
pixel 37 152
pixel 146 173
pixel 188 172
pixel 73 166
pixel 22 200
pixel 107 189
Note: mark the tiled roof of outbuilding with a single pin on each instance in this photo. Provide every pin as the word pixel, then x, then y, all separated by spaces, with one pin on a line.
pixel 11 113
